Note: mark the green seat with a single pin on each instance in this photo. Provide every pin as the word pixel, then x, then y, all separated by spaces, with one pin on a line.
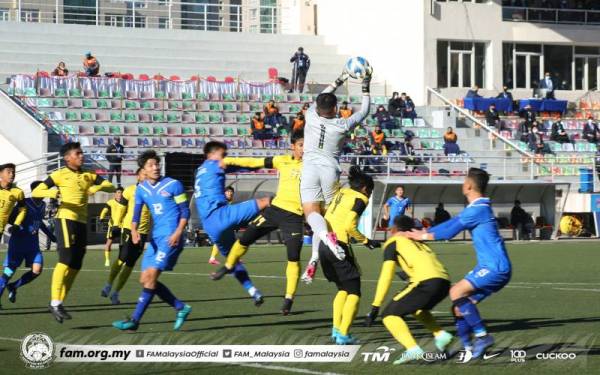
pixel 201 118
pixel 295 108
pixel 158 117
pixel 360 132
pixel 30 91
pixel 86 116
pixel 60 93
pixel 255 107
pixel 102 104
pixel 229 107
pixel 87 103
pixel 100 130
pixel 435 133
pixel 407 122
pixel 354 99
pixel 43 102
pixel 279 98
pixel 580 147
pixel 130 104
pixel 144 130
pixel 69 130
pixel 266 98
pixel 159 130
pixel 387 133
pixel 342 98
pixel 228 97
pixel 243 131
pixel 215 107
pixel 75 93
pixel 115 130
pixel 186 96
pixel 188 106
pixel 214 118
pixel 554 146
pixel 117 95
pixel 242 97
pixel 175 106
pixel 130 117
pixel 423 133
pixel 243 119
pixel 283 132
pixel 60 103
pixel 305 98
pixel 103 94
pixel 229 132
pixel 171 117
pixel 116 116
pixel 201 130
pixel 437 145
pixel 186 130
pixel 426 145
pixel 71 116
pixel 397 133
pixel 159 95
pixel 147 105
pixel 379 100
pixel 371 121
pixel 201 96
pixel 592 147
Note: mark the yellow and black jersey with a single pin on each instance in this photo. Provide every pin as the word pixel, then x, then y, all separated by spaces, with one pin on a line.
pixel 74 187
pixel 10 198
pixel 343 214
pixel 144 224
pixel 116 210
pixel 417 261
pixel 288 189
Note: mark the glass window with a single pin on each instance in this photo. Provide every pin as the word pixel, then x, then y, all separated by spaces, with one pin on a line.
pixel 528 47
pixel 460 64
pixel 454 69
pixel 521 71
pixel 557 61
pixel 163 22
pixel 4 14
pixel 480 64
pixel 79 11
pixel 586 50
pixel 461 46
pixel 442 63
pixel 507 64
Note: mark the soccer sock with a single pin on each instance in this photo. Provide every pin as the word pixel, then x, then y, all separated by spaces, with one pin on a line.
pixel 114 271
pixel 27 277
pixel 315 246
pixel 398 328
pixel 463 331
pixel 428 321
pixel 142 304
pixel 4 279
pixel 166 295
pixel 349 312
pixel 236 252
pixel 68 281
pixel 292 274
pixel 107 255
pixel 338 308
pixel 58 283
pixel 470 313
pixel 317 223
pixel 214 252
pixel 123 277
pixel 240 273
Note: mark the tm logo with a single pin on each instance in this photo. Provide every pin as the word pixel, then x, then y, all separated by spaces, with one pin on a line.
pixel 382 354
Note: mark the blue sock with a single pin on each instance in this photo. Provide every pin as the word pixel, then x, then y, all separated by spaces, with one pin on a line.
pixel 142 304
pixel 165 294
pixel 3 281
pixel 240 273
pixel 469 312
pixel 463 331
pixel 26 278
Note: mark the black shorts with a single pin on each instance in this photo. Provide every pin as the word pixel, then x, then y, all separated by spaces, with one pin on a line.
pixel 273 218
pixel 71 242
pixel 113 233
pixel 344 273
pixel 423 295
pixel 128 251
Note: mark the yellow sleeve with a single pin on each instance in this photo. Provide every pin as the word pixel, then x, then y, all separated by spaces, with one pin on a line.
pixel 245 162
pixel 105 211
pixel 277 161
pixel 102 185
pixel 21 208
pixel 385 281
pixel 44 191
pixel 352 227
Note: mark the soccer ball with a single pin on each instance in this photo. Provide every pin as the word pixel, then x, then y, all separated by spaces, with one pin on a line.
pixel 358 67
pixel 571 225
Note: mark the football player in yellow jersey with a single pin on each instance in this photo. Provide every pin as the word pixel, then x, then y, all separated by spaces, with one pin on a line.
pixel 285 213
pixel 340 267
pixel 129 252
pixel 428 284
pixel 115 208
pixel 229 192
pixel 73 186
pixel 10 196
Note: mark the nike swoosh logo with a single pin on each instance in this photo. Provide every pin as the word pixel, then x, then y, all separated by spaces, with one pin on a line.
pixel 485 356
pixel 296 234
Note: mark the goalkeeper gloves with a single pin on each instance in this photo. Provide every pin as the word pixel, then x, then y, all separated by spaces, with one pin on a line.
pixel 341 79
pixel 366 84
pixel 309 272
pixel 370 319
pixel 372 244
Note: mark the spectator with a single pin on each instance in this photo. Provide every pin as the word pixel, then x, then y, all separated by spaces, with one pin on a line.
pixel 590 130
pixel 272 115
pixel 505 94
pixel 396 105
pixel 407 148
pixel 450 146
pixel 548 84
pixel 492 117
pixel 384 119
pixel 259 129
pixel 91 65
pixel 345 111
pixel 528 115
pixel 300 70
pixel 441 215
pixel 299 122
pixel 409 108
pixel 114 155
pixel 305 107
pixel 377 138
pixel 450 136
pixel 559 134
pixel 524 129
pixel 473 92
pixel 521 221
pixel 536 142
pixel 61 70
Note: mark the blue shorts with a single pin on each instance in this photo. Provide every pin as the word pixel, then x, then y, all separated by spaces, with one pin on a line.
pixel 486 282
pixel 160 255
pixel 221 223
pixel 23 249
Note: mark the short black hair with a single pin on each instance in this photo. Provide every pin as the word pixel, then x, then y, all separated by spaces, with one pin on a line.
pixel 7 165
pixel 517 202
pixel 230 188
pixel 214 146
pixel 69 146
pixel 359 180
pixel 404 223
pixel 120 188
pixel 326 101
pixel 147 155
pixel 137 171
pixel 480 178
pixel 35 184
pixel 296 136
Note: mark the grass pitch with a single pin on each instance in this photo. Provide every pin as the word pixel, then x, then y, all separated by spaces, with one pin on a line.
pixel 551 305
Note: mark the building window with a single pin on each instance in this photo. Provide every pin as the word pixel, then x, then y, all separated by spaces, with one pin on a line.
pixel 586 72
pixel 4 14
pixel 115 20
pixel 557 61
pixel 460 64
pixel 30 15
pixel 522 65
pixel 163 23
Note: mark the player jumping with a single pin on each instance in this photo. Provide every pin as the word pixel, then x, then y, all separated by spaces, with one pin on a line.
pixel 428 284
pixel 285 213
pixel 73 186
pixel 229 191
pixel 493 269
pixel 324 137
pixel 24 245
pixel 168 205
pixel 219 218
pixel 114 208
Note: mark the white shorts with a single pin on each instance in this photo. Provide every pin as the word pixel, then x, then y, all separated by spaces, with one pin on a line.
pixel 319 183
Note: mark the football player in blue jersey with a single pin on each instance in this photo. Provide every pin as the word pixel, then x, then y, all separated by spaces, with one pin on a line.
pixel 168 205
pixel 24 245
pixel 219 218
pixel 493 269
pixel 396 206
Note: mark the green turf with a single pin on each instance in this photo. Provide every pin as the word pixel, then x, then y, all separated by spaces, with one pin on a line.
pixel 552 304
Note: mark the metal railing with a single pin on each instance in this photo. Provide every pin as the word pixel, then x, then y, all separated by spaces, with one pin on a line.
pixel 545 15
pixel 157 14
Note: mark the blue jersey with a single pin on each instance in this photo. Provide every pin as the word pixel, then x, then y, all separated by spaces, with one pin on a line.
pixel 479 219
pixel 209 188
pixel 33 221
pixel 398 205
pixel 167 203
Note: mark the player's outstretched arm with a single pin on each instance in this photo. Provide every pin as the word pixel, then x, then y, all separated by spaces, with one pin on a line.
pixel 236 164
pixel 365 105
pixel 184 213
pixel 44 190
pixel 105 211
pixel 444 231
pixel 101 184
